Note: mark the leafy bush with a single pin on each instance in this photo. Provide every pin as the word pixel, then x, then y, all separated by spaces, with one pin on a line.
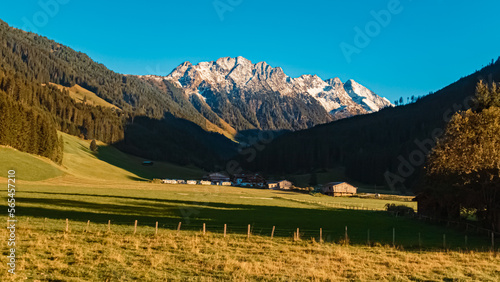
pixel 399 209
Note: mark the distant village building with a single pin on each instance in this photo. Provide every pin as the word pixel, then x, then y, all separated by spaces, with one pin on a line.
pixel 338 189
pixel 226 183
pixel 147 163
pixel 273 185
pixel 217 177
pixel 180 181
pixel 282 184
pixel 169 181
pixel 205 182
pixel 249 180
pixel 285 184
pixel 192 182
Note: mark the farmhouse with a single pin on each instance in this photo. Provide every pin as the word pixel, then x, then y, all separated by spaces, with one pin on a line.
pixel 169 181
pixel 337 189
pixel 282 184
pixel 192 182
pixel 272 185
pixel 205 182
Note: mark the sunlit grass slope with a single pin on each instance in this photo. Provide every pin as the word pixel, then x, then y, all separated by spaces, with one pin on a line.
pixel 28 167
pixel 80 164
pixel 80 94
pixel 111 164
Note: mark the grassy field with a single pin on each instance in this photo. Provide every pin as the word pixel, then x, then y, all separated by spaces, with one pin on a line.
pixel 334 175
pixel 237 207
pixel 29 167
pixel 111 164
pixel 91 187
pixel 47 253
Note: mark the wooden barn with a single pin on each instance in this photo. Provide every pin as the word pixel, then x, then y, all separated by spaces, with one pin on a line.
pixel 339 189
pixel 282 184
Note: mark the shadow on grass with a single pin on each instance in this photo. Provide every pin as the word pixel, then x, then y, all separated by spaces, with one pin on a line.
pixel 136 178
pixel 114 157
pixel 124 210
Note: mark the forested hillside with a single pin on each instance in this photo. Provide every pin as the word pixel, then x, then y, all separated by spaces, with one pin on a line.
pixel 31 64
pixel 369 146
pixel 32 112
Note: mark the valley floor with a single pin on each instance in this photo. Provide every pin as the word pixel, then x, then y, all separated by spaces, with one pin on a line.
pixel 47 253
pixel 111 186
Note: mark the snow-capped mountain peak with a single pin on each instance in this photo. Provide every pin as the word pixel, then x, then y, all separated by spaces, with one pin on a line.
pixel 240 82
pixel 365 97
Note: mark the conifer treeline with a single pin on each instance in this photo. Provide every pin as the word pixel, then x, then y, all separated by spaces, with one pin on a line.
pixel 28 129
pixel 29 63
pixel 369 146
pixel 31 113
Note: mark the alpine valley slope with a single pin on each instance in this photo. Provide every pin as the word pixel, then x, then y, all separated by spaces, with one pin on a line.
pixel 258 96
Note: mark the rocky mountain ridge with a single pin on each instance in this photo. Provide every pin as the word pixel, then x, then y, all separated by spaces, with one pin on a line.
pixel 266 98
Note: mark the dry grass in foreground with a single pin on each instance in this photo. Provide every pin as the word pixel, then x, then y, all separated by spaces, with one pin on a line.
pixel 97 255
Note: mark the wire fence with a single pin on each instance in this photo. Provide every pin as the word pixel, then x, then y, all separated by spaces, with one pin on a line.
pixel 473 239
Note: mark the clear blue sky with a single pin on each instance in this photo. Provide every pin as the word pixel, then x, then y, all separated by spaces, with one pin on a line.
pixel 426 44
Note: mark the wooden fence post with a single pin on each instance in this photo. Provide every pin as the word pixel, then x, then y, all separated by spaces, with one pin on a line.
pixel 88 225
pixel 156 229
pixel 67 225
pixel 179 226
pixel 135 227
pixel 248 235
pixel 368 238
pixel 109 225
pixel 492 241
pixel 345 238
pixel 272 233
pixel 393 236
pixel 419 241
pixel 44 221
pixel 225 227
pixel 203 228
pixel 466 241
pixel 444 241
pixel 298 235
pixel 321 235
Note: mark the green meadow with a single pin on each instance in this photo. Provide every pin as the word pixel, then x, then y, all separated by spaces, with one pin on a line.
pixel 113 186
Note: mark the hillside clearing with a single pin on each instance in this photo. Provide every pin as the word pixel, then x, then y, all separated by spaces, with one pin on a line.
pixel 82 95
